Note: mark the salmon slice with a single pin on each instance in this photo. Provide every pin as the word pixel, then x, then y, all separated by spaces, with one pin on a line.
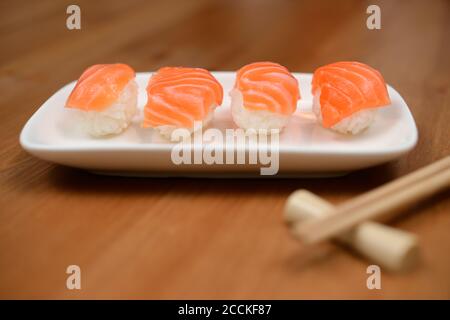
pixel 268 86
pixel 100 86
pixel 346 88
pixel 179 96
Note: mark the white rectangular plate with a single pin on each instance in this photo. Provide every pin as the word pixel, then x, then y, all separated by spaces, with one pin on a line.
pixel 305 147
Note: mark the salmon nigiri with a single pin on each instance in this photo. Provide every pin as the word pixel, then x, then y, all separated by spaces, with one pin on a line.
pixel 347 94
pixel 181 97
pixel 265 96
pixel 106 97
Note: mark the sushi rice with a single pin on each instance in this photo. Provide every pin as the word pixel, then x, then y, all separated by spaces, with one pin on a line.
pixel 353 124
pixel 167 130
pixel 255 119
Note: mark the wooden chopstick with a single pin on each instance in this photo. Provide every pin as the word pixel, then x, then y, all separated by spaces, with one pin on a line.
pixel 379 203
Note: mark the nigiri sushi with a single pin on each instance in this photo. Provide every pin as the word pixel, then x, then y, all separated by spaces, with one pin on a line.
pixel 346 96
pixel 178 97
pixel 105 97
pixel 264 96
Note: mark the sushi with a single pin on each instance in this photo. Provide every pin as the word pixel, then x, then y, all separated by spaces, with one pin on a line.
pixel 105 98
pixel 346 96
pixel 264 96
pixel 180 97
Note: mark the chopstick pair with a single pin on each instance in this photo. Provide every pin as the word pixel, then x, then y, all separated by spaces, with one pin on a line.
pixel 378 204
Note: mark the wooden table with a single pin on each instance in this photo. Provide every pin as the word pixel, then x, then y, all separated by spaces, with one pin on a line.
pixel 208 238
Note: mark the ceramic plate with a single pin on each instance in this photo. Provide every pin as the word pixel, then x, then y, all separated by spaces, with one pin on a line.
pixel 305 148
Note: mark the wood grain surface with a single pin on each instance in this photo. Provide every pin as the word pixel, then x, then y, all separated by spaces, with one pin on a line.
pixel 208 238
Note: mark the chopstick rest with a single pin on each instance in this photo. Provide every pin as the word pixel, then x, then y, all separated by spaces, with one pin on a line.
pixel 391 248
